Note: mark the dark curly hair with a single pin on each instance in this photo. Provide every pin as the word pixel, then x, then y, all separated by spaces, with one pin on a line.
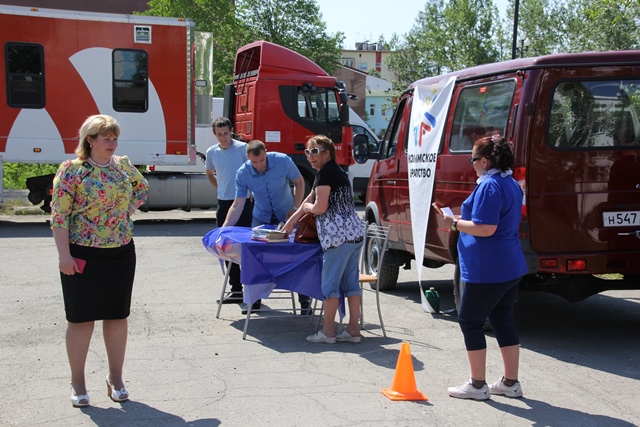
pixel 497 150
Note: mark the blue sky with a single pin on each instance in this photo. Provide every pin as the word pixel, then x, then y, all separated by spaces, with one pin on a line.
pixel 363 20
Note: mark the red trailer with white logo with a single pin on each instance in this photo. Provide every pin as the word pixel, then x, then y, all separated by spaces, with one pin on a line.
pixel 60 67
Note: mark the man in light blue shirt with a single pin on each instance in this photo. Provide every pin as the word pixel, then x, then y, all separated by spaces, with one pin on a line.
pixel 267 176
pixel 223 161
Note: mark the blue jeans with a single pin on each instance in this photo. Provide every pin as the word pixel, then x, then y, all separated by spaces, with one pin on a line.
pixel 492 300
pixel 340 271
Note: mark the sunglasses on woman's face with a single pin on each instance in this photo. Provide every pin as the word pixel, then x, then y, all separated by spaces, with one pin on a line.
pixel 313 151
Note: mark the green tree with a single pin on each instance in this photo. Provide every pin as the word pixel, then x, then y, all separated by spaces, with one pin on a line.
pixel 471 32
pixel 539 21
pixel 447 36
pixel 600 25
pixel 414 57
pixel 373 72
pixel 599 6
pixel 296 24
pixel 217 17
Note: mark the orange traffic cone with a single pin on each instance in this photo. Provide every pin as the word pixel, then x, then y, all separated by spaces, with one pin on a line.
pixel 404 381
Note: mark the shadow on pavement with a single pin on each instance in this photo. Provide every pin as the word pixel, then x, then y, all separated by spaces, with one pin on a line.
pixel 196 227
pixel 287 335
pixel 36 228
pixel 599 332
pixel 139 414
pixel 190 227
pixel 543 414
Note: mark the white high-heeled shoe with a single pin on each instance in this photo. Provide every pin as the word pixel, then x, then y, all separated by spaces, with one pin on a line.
pixel 78 400
pixel 121 395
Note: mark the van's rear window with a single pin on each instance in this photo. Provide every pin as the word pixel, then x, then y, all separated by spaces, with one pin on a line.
pixel 481 109
pixel 595 114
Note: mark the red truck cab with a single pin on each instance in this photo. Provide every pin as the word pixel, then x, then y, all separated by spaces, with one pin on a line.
pixel 574 122
pixel 282 98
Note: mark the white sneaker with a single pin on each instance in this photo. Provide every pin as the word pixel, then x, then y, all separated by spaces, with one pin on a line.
pixel 344 336
pixel 321 337
pixel 501 388
pixel 468 391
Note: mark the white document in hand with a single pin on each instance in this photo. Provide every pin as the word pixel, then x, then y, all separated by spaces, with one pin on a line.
pixel 447 211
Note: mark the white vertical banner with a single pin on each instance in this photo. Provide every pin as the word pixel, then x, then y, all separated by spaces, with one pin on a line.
pixel 428 117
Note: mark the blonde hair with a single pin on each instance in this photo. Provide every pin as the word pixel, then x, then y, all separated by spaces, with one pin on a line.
pixel 99 124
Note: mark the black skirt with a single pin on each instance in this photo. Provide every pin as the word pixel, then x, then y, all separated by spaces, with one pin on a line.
pixel 103 290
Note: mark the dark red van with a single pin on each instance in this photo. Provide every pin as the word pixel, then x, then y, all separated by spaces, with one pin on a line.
pixel 575 122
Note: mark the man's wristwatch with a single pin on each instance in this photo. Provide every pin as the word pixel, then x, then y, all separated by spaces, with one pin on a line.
pixel 454 225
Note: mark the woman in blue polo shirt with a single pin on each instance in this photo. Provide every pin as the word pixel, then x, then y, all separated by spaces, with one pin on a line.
pixel 491 266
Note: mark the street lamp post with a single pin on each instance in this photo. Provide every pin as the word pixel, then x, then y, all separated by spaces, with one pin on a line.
pixel 515 29
pixel 524 44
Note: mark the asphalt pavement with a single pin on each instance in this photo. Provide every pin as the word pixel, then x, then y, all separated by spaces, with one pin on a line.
pixel 579 362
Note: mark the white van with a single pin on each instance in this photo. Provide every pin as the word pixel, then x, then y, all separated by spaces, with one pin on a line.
pixel 361 172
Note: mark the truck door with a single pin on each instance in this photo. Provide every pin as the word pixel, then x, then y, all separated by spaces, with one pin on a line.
pixel 584 170
pixel 389 183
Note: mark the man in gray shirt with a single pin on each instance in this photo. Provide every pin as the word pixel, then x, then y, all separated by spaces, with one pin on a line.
pixel 223 161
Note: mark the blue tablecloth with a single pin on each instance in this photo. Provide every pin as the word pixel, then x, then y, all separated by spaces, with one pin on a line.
pixel 288 265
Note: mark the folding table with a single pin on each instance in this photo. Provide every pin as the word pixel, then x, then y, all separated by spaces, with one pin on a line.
pixel 296 267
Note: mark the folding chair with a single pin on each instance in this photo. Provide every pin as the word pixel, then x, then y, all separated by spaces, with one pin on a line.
pixel 373 249
pixel 225 293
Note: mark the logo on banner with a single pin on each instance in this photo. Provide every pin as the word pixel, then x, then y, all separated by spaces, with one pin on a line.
pixel 427 124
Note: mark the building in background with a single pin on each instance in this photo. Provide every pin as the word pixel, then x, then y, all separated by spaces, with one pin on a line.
pixel 368 56
pixel 379 104
pixel 371 96
pixel 374 99
pixel 356 82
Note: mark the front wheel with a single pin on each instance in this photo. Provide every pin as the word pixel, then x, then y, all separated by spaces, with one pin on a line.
pixel 388 272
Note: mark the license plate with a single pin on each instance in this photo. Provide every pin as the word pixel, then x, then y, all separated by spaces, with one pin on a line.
pixel 621 219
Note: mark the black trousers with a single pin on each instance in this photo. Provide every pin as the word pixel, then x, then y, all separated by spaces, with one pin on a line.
pixel 244 221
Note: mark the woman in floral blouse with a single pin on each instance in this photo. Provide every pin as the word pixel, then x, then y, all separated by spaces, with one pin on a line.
pixel 341 233
pixel 93 198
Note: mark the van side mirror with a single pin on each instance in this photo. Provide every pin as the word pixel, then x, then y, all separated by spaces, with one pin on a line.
pixel 360 148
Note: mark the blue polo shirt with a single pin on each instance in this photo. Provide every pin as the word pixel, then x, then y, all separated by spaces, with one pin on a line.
pixel 497 258
pixel 271 191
